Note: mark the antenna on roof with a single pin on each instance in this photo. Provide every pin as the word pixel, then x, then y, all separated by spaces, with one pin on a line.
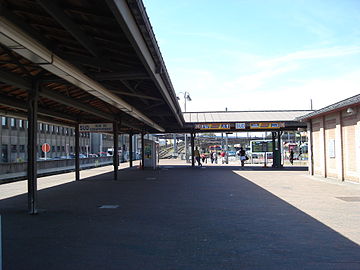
pixel 311 104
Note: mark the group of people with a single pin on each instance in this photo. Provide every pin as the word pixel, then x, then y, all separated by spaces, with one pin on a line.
pixel 214 156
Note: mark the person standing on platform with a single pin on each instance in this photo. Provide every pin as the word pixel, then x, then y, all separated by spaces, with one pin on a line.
pixel 197 156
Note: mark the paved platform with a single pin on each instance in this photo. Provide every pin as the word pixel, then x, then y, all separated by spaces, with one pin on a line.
pixel 178 217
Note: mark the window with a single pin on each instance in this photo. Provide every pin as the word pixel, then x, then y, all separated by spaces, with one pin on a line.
pixel 12 122
pixel 4 121
pixel 21 124
pixel 71 149
pixel 41 127
pixel 53 148
pixel 57 129
pixel 4 153
pixel 62 130
pixel 46 128
pixel 63 148
pixel 58 148
pixel 21 148
pixel 66 131
pixel 13 148
pixel 27 124
pixel 51 128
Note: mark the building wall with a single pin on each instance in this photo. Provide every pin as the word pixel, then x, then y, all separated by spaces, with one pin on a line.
pixel 330 152
pixel 349 134
pixel 336 145
pixel 13 140
pixel 317 151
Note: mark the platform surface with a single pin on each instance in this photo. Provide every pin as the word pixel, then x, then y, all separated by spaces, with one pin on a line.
pixel 178 217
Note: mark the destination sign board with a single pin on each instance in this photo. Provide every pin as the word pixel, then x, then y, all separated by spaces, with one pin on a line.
pixel 210 126
pixel 96 128
pixel 267 125
pixel 239 125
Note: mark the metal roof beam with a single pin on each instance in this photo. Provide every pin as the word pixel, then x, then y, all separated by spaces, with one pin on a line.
pixel 60 16
pixel 21 105
pixel 135 95
pixel 10 16
pixel 118 76
pixel 17 81
pixel 14 80
pixel 72 103
pixel 92 61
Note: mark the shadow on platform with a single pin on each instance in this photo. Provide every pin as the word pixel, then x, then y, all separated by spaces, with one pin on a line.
pixel 173 218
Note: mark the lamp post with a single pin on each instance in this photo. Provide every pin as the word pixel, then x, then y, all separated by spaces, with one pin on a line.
pixel 186 97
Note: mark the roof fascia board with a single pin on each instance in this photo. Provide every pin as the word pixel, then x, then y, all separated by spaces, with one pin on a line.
pixel 126 21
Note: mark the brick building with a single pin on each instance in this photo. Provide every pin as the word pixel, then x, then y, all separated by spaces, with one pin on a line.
pixel 334 140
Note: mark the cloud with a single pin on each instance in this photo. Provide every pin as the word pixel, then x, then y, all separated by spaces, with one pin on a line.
pixel 248 82
pixel 312 54
pixel 210 93
pixel 256 80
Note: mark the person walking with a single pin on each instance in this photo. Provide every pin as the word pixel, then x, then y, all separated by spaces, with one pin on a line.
pixel 291 157
pixel 214 154
pixel 242 156
pixel 197 156
pixel 222 154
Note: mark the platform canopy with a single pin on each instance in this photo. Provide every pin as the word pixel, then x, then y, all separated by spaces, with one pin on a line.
pixel 244 120
pixel 95 61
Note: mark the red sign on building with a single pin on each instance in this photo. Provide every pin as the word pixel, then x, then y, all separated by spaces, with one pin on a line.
pixel 45 147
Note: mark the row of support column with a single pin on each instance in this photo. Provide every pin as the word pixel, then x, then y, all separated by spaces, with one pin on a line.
pixel 276 141
pixel 32 106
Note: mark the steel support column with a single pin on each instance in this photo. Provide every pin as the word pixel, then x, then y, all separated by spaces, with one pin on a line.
pixel 192 149
pixel 32 147
pixel 77 152
pixel 142 151
pixel 274 154
pixel 279 146
pixel 130 149
pixel 116 150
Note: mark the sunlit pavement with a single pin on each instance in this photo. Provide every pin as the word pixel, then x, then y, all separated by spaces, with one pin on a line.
pixel 178 217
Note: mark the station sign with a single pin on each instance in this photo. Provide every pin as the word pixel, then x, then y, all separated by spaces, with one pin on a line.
pixel 240 126
pixel 211 126
pixel 267 125
pixel 96 128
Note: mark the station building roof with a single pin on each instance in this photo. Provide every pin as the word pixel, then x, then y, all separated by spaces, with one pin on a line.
pixel 343 104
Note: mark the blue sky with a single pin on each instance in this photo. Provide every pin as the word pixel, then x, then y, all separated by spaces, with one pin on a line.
pixel 258 54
